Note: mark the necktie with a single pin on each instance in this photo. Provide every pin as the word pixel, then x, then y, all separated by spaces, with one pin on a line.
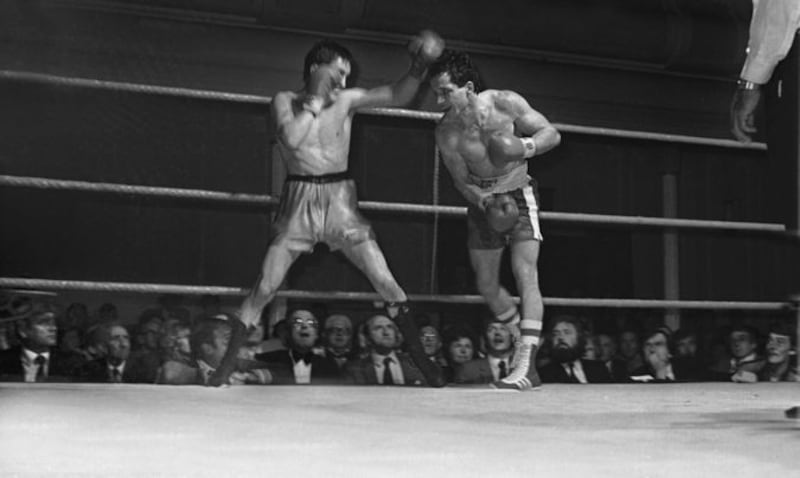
pixel 116 377
pixel 387 372
pixel 572 376
pixel 503 371
pixel 40 362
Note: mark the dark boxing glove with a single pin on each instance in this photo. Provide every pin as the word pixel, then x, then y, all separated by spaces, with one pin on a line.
pixel 321 82
pixel 425 48
pixel 505 147
pixel 502 212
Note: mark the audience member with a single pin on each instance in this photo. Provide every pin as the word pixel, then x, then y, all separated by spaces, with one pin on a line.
pixel 686 351
pixel 498 342
pixel 745 362
pixel 76 316
pixel 781 363
pixel 209 342
pixel 107 313
pixel 95 342
pixel 116 367
pixel 660 366
pixel 175 343
pixel 591 350
pixel 337 337
pixel 607 353
pixel 37 359
pixel 630 351
pixel 148 331
pixel 568 343
pixel 432 344
pixel 459 346
pixel 301 359
pixel 384 363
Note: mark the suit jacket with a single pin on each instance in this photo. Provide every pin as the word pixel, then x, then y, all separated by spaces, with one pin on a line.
pixel 324 369
pixel 475 371
pixel 362 371
pixel 595 371
pixel 618 370
pixel 63 367
pixel 136 371
pixel 684 370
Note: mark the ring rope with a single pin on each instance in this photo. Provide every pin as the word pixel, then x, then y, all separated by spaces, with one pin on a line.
pixel 265 200
pixel 132 287
pixel 393 112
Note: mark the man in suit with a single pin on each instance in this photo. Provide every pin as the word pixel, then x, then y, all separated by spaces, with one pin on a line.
pixel 338 339
pixel 209 341
pixel 301 358
pixel 36 359
pixel 499 345
pixel 608 355
pixel 660 365
pixel 385 364
pixel 568 340
pixel 117 366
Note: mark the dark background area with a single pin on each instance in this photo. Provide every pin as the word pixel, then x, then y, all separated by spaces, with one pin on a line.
pixel 665 67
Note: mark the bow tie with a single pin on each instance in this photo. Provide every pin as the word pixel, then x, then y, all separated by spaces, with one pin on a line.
pixel 306 357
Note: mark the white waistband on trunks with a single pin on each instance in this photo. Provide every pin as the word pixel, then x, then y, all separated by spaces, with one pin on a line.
pixel 514 179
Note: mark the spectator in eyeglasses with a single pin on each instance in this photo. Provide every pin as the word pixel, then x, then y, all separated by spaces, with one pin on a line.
pixel 301 363
pixel 337 337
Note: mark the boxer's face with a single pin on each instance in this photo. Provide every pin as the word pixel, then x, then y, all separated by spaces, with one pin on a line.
pixel 448 94
pixel 339 70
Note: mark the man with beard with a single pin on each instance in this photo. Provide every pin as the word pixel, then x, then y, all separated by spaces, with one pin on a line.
pixel 499 344
pixel 300 359
pixel 385 364
pixel 568 341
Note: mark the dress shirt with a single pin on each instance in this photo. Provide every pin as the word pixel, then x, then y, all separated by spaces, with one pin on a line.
pixel 120 367
pixel 577 368
pixel 772 31
pixel 302 370
pixel 29 364
pixel 395 368
pixel 494 364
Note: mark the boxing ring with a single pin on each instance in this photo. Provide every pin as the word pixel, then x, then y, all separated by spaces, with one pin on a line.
pixel 709 429
pixel 647 430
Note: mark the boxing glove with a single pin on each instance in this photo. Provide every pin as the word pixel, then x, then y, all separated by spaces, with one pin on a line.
pixel 424 48
pixel 505 147
pixel 321 81
pixel 502 212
